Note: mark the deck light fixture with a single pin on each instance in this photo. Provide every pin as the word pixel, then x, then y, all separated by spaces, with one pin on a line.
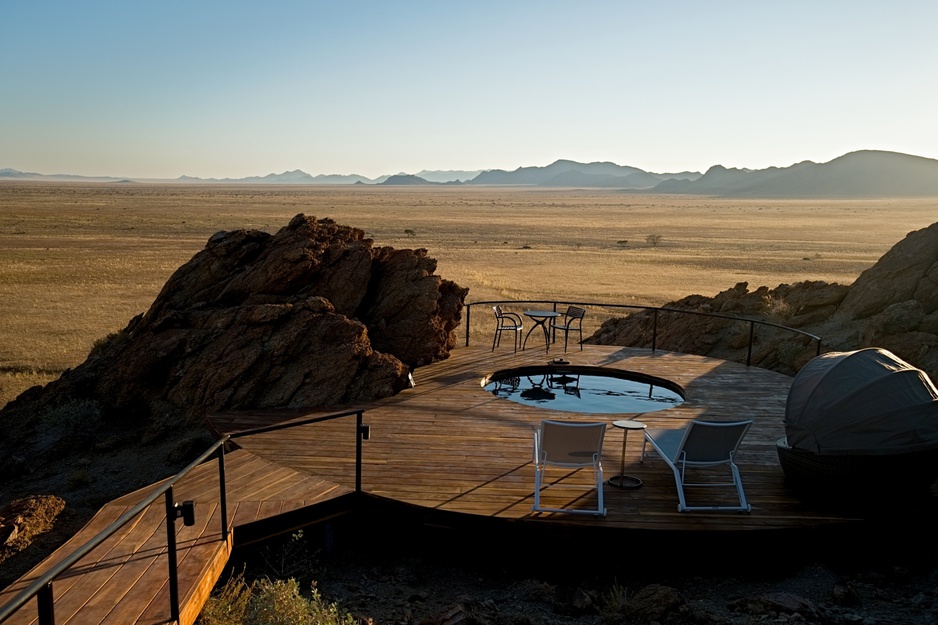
pixel 186 510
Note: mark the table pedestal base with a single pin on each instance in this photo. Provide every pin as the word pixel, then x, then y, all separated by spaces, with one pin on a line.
pixel 624 481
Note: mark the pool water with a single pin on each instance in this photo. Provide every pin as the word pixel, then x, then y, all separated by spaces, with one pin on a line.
pixel 594 392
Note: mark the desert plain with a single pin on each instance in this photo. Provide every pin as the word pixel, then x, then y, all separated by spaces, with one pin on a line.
pixel 79 260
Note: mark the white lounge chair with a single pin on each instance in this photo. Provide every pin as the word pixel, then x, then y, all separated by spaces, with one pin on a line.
pixel 568 444
pixel 701 444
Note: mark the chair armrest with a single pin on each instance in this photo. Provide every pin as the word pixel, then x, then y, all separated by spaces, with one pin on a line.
pixel 513 316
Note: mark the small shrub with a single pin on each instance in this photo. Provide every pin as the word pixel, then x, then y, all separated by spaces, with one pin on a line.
pixel 78 478
pixel 776 308
pixel 654 239
pixel 613 602
pixel 294 558
pixel 76 419
pixel 622 243
pixel 227 605
pixel 410 233
pixel 277 602
pixel 116 340
pixel 788 353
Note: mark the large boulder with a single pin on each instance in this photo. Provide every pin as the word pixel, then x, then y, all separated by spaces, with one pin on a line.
pixel 908 271
pixel 311 316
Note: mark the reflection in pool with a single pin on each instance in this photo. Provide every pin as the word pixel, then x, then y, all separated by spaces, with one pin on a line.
pixel 585 389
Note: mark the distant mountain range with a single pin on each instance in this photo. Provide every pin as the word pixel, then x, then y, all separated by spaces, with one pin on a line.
pixel 866 173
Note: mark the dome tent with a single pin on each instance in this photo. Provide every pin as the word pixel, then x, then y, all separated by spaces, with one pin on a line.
pixel 861 402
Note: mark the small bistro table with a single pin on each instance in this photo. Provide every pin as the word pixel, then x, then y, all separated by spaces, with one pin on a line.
pixel 622 480
pixel 539 317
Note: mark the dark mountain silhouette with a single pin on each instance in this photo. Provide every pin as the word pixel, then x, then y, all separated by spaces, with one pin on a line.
pixel 12 174
pixel 564 173
pixel 450 175
pixel 866 173
pixel 406 179
pixel 297 176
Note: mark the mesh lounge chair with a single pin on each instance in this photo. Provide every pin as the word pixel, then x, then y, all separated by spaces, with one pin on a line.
pixel 569 445
pixel 506 322
pixel 572 321
pixel 701 444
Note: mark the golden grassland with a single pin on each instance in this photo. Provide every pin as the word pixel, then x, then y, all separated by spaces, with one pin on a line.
pixel 78 261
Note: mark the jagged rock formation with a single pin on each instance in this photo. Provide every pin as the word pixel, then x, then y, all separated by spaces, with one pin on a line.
pixel 893 305
pixel 311 316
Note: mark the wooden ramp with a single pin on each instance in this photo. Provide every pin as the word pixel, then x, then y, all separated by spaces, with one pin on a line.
pixel 125 579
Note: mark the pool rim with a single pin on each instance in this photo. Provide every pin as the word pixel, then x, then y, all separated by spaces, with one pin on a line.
pixel 608 372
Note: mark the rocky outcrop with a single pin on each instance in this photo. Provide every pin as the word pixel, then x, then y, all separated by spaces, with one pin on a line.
pixel 893 305
pixel 311 316
pixel 22 520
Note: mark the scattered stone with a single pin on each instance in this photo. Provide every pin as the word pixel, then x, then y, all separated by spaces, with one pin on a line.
pixel 22 520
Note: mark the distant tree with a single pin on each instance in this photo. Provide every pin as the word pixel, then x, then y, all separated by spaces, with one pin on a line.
pixel 654 239
pixel 622 243
pixel 410 232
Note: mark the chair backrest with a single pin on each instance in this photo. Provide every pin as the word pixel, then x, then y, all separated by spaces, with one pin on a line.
pixel 712 442
pixel 569 443
pixel 498 311
pixel 575 312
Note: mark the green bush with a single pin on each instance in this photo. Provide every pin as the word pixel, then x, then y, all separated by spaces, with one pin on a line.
pixel 269 602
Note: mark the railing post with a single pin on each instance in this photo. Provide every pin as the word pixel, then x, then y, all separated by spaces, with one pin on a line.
pixel 171 556
pixel 359 435
pixel 818 348
pixel 46 605
pixel 222 493
pixel 468 320
pixel 752 331
pixel 654 331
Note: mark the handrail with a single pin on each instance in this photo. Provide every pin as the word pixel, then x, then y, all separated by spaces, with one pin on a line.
pixel 363 432
pixel 654 338
pixel 42 587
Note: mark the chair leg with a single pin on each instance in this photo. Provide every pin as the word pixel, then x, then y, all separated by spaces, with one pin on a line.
pixel 495 340
pixel 679 481
pixel 599 489
pixel 537 489
pixel 738 480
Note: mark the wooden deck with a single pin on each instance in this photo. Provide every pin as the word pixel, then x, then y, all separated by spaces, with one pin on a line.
pixel 446 448
pixel 448 445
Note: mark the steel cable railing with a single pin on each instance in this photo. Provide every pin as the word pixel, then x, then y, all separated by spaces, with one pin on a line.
pixel 656 311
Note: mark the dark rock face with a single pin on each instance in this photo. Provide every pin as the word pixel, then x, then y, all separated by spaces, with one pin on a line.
pixel 909 271
pixel 893 305
pixel 313 315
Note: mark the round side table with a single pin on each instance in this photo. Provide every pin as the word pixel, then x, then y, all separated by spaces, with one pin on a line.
pixel 622 480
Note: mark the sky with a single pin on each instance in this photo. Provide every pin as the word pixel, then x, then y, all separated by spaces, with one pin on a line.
pixel 235 89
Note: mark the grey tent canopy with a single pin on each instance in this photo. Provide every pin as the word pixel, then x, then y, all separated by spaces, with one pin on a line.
pixel 867 401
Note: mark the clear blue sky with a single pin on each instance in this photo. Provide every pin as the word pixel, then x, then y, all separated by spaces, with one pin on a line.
pixel 232 89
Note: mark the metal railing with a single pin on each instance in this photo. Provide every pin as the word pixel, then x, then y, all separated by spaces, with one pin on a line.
pixel 42 587
pixel 656 310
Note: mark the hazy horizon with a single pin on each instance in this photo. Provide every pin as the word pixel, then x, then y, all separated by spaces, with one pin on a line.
pixel 231 90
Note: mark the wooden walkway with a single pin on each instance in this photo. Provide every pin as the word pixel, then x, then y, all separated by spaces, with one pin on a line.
pixel 448 448
pixel 125 579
